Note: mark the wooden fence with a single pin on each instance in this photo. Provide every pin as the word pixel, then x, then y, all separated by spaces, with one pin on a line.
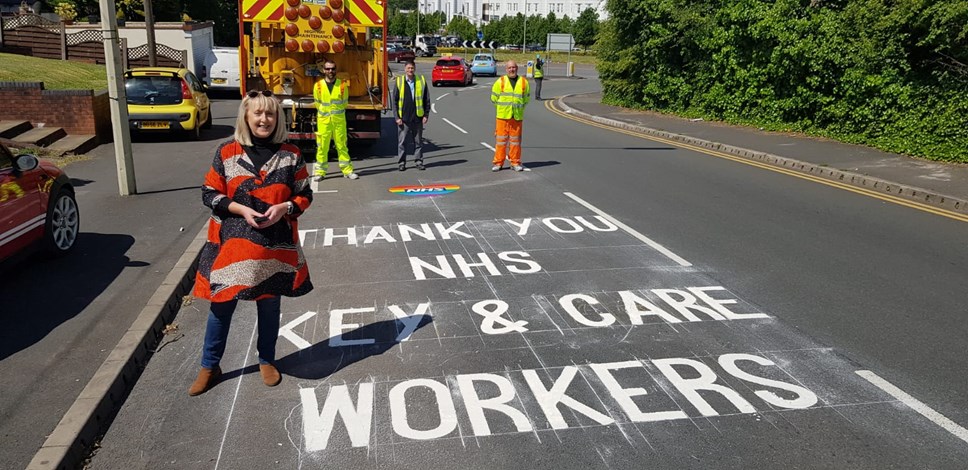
pixel 36 36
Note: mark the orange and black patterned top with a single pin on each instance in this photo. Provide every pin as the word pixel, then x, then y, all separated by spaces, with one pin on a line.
pixel 240 262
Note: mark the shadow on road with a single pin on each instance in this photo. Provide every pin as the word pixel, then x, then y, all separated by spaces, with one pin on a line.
pixel 77 182
pixel 323 359
pixel 541 164
pixel 34 305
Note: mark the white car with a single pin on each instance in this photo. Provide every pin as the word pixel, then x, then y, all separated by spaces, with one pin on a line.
pixel 224 72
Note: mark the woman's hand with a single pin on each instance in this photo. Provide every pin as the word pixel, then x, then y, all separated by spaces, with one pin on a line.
pixel 250 215
pixel 274 213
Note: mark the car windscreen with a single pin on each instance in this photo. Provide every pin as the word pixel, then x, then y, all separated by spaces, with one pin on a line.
pixel 448 63
pixel 153 90
pixel 482 58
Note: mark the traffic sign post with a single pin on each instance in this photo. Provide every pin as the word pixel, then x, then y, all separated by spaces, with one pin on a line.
pixel 480 35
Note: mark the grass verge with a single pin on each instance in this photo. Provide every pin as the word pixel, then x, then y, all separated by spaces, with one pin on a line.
pixel 56 74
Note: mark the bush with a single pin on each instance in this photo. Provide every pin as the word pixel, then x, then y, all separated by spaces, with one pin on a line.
pixel 887 73
pixel 66 11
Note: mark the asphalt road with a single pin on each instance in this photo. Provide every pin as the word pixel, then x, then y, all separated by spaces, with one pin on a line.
pixel 62 317
pixel 624 304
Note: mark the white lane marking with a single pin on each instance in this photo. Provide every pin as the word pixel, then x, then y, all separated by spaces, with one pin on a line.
pixel 235 398
pixel 632 231
pixel 455 125
pixel 441 96
pixel 488 146
pixel 433 108
pixel 915 404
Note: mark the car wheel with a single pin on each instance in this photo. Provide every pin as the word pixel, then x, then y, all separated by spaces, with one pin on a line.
pixel 63 221
pixel 436 83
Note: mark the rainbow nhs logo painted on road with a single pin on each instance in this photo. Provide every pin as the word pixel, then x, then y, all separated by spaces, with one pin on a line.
pixel 430 190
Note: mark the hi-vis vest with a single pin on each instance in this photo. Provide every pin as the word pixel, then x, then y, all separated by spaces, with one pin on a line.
pixel 538 73
pixel 418 89
pixel 330 105
pixel 509 101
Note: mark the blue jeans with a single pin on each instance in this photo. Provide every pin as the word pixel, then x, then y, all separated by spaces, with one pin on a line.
pixel 217 330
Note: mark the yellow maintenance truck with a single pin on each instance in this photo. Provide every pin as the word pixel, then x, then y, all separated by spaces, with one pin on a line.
pixel 283 44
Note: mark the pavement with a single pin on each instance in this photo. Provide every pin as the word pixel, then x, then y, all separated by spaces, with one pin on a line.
pixel 944 186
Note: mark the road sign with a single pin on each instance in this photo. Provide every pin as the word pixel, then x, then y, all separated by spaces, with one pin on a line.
pixel 560 42
pixel 480 35
pixel 479 44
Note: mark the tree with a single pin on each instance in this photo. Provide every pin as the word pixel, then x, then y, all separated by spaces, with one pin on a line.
pixel 463 28
pixel 586 28
pixel 224 13
pixel 565 25
pixel 493 31
pixel 396 23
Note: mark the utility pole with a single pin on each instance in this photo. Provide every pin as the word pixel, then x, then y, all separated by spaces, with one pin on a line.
pixel 117 99
pixel 150 31
pixel 524 44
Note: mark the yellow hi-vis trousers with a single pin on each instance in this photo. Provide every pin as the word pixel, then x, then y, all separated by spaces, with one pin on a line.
pixel 508 133
pixel 334 130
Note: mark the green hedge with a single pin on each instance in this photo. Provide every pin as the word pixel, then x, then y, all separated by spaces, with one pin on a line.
pixel 890 74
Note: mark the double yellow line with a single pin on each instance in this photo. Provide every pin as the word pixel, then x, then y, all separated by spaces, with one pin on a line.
pixel 549 104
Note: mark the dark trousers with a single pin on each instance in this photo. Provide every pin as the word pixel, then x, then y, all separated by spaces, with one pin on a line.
pixel 406 132
pixel 217 330
pixel 537 88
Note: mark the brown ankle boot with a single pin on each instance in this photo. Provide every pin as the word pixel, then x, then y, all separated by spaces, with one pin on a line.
pixel 205 380
pixel 270 375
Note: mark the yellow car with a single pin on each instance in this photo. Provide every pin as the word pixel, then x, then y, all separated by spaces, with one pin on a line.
pixel 167 99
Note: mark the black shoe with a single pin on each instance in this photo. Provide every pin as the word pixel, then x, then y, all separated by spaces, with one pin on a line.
pixel 420 166
pixel 403 166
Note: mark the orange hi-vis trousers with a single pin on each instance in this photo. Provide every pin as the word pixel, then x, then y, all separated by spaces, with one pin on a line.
pixel 508 132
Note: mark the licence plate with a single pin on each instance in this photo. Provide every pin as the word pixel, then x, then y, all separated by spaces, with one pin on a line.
pixel 154 125
pixel 219 80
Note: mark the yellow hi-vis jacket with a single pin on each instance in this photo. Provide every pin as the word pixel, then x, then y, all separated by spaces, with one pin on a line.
pixel 418 89
pixel 330 107
pixel 510 102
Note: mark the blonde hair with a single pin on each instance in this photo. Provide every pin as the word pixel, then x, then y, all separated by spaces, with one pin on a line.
pixel 267 103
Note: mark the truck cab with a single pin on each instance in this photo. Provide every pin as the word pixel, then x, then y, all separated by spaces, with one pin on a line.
pixel 425 45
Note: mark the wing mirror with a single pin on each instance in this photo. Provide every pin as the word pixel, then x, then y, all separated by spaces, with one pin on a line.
pixel 26 162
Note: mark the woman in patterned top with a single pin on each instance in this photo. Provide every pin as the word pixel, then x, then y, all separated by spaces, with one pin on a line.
pixel 257 187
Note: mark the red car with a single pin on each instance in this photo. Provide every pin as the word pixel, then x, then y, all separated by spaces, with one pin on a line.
pixel 37 206
pixel 399 54
pixel 452 70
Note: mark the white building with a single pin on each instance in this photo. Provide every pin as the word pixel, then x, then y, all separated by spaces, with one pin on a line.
pixel 483 11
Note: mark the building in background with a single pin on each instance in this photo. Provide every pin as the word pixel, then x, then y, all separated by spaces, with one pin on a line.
pixel 482 11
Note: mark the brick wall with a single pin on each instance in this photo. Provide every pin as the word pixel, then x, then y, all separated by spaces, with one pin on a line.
pixel 77 111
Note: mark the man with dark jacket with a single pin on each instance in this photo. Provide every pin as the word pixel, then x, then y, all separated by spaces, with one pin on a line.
pixel 410 102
